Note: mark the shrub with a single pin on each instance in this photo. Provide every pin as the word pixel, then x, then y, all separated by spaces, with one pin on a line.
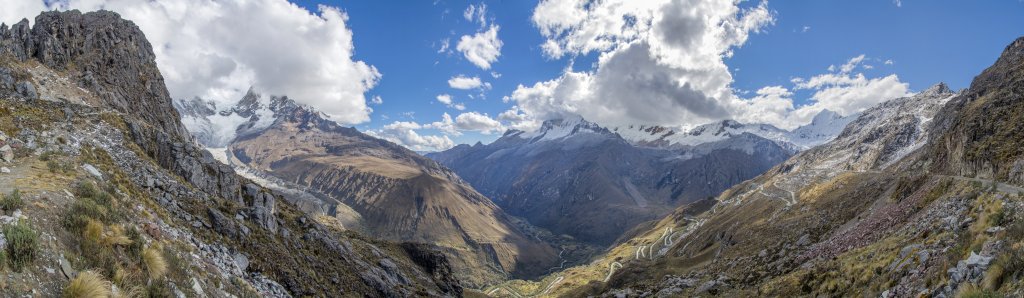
pixel 12 201
pixel 22 245
pixel 156 265
pixel 92 204
pixel 87 284
pixel 85 189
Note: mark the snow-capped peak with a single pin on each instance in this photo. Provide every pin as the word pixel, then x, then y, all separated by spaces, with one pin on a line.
pixel 561 128
pixel 216 128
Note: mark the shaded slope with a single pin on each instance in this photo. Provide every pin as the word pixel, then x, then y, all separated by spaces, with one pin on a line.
pixel 576 178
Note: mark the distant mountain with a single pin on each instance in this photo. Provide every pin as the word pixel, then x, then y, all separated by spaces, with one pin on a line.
pixel 575 177
pixel 825 126
pixel 391 192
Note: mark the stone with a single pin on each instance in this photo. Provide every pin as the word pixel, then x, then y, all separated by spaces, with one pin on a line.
pixel 6 153
pixel 27 90
pixel 65 267
pixel 978 260
pixel 93 171
pixel 241 261
pixel 5 170
pixel 804 240
pixel 197 288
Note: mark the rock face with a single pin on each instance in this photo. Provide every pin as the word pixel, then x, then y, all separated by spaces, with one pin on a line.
pixel 881 135
pixel 577 178
pixel 979 131
pixel 398 194
pixel 120 108
pixel 106 55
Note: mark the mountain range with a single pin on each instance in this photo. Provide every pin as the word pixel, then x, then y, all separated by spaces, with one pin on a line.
pixel 574 177
pixel 917 196
pixel 108 183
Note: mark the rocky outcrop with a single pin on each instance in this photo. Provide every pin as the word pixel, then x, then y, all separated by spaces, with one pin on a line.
pixel 105 54
pixel 978 132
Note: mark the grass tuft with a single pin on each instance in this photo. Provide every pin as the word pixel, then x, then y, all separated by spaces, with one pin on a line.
pixel 88 284
pixel 156 265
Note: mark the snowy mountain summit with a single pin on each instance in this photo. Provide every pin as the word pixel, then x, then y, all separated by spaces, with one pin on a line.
pixel 824 127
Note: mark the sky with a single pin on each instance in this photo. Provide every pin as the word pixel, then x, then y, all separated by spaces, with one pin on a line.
pixel 433 74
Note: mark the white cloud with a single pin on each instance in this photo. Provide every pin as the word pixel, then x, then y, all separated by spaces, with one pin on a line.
pixel 660 62
pixel 482 48
pixel 445 43
pixel 466 83
pixel 446 125
pixel 16 10
pixel 888 62
pixel 851 64
pixel 404 133
pixel 445 99
pixel 514 118
pixel 217 49
pixel 476 13
pixel 377 100
pixel 839 90
pixel 474 121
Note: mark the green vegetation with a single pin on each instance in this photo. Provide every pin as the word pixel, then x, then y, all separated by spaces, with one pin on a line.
pixel 22 245
pixel 12 201
pixel 92 203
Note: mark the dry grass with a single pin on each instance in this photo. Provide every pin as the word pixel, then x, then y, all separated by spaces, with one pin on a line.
pixel 156 265
pixel 88 284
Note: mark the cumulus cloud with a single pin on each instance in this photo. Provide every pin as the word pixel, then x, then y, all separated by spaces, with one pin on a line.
pixel 663 62
pixel 660 62
pixel 404 133
pixel 474 121
pixel 445 99
pixel 482 48
pixel 466 83
pixel 514 118
pixel 218 49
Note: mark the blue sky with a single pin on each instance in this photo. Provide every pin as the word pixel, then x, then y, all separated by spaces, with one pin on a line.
pixel 927 42
pixel 677 63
